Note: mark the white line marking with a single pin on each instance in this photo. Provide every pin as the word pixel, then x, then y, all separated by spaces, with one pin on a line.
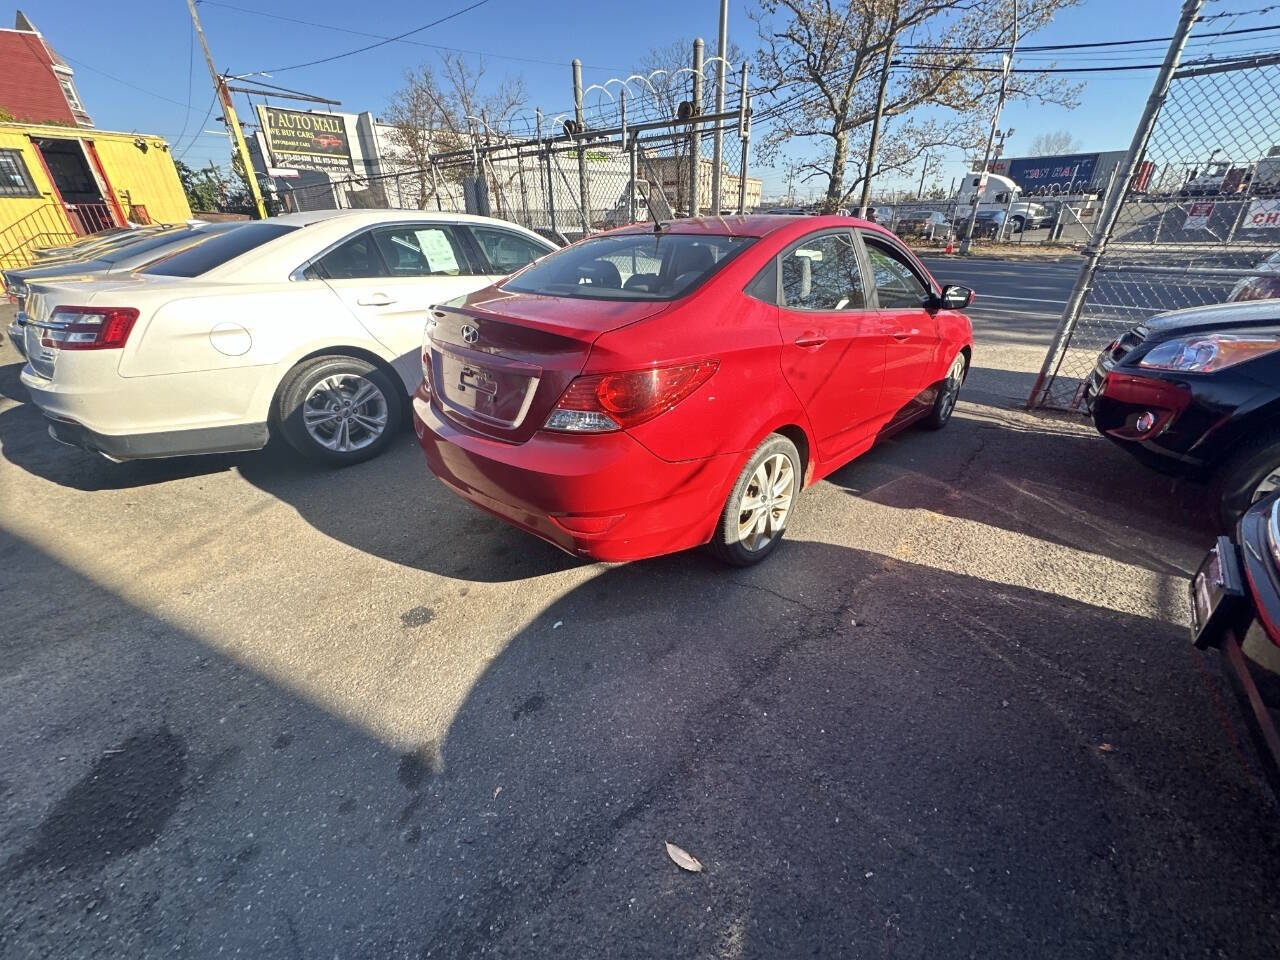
pixel 994 296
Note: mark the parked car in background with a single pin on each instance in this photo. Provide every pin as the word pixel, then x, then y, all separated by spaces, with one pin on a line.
pixel 930 224
pixel 643 392
pixel 1264 286
pixel 1198 392
pixel 1235 607
pixel 1029 216
pixel 113 262
pixel 988 224
pixel 307 325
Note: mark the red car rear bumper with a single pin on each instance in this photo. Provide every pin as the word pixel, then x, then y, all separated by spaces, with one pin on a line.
pixel 602 496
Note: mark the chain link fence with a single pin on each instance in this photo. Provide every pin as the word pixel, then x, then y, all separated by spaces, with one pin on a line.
pixel 1205 231
pixel 563 188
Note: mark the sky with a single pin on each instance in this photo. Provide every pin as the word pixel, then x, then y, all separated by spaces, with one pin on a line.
pixel 149 76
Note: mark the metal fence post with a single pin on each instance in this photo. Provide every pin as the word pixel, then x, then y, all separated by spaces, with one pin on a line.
pixel 722 78
pixel 1111 212
pixel 695 131
pixel 582 151
pixel 744 134
pixel 524 191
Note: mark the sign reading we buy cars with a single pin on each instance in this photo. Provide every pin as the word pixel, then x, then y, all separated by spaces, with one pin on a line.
pixel 311 141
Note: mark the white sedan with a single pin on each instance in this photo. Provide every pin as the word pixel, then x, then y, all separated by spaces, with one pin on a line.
pixel 308 325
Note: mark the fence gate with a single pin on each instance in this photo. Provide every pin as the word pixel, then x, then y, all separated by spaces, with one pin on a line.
pixel 1205 228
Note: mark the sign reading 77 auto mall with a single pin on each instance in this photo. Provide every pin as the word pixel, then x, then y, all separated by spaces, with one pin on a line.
pixel 310 141
pixel 1263 215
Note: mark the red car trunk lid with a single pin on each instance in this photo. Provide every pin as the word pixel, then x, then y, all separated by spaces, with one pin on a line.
pixel 498 363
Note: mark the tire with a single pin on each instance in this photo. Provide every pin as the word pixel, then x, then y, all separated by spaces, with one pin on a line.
pixel 327 413
pixel 742 545
pixel 1250 472
pixel 944 404
pixel 1016 224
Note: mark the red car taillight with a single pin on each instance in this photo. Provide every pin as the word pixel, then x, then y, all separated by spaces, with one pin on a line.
pixel 616 401
pixel 89 328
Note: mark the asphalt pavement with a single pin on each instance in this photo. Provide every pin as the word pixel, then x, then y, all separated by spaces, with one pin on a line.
pixel 253 708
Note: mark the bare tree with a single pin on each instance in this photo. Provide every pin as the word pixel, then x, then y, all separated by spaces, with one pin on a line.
pixel 825 62
pixel 1049 144
pixel 430 114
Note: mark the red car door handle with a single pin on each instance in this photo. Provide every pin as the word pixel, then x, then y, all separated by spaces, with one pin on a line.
pixel 810 340
pixel 904 334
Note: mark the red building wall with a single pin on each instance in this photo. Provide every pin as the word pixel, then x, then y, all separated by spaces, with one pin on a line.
pixel 29 89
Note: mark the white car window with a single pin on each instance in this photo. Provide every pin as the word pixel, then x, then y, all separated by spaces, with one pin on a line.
pixel 506 250
pixel 418 250
pixel 353 259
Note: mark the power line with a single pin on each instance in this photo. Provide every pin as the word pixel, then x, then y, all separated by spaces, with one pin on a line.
pixel 380 43
pixel 200 129
pixel 191 57
pixel 378 36
pixel 1082 46
pixel 133 86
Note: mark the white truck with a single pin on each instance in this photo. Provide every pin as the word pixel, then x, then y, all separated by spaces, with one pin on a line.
pixel 999 195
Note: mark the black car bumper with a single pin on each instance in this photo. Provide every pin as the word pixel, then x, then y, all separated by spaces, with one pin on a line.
pixel 173 443
pixel 1235 608
pixel 1179 422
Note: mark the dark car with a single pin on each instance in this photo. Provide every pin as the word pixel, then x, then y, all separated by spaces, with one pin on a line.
pixel 1264 285
pixel 989 223
pixel 1235 607
pixel 931 224
pixel 1197 392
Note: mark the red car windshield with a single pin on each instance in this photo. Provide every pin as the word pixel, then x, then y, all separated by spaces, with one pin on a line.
pixel 635 266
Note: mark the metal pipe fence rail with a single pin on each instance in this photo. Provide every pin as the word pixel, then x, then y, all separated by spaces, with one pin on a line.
pixel 1208 223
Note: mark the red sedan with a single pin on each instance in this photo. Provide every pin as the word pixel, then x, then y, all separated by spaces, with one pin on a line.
pixel 657 388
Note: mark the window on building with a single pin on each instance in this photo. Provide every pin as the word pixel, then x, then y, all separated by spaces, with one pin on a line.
pixel 69 89
pixel 15 179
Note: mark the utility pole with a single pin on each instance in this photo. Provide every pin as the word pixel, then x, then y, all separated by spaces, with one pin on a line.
pixel 583 186
pixel 722 75
pixel 229 116
pixel 967 242
pixel 875 129
pixel 924 169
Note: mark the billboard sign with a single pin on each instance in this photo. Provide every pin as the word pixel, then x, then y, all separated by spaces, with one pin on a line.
pixel 1263 215
pixel 1049 174
pixel 304 140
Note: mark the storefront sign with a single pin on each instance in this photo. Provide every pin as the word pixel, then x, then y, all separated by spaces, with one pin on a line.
pixel 308 141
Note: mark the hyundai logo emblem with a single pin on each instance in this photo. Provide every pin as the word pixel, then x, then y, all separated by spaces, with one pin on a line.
pixel 469 333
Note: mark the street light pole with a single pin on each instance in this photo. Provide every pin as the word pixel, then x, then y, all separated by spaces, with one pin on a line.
pixel 967 242
pixel 717 137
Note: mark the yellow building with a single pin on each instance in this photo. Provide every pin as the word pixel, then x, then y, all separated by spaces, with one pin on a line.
pixel 60 182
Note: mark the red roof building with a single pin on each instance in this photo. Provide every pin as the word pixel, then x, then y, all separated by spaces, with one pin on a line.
pixel 37 85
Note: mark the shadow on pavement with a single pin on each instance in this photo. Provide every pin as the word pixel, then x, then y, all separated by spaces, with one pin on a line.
pixel 971 769
pixel 1041 478
pixel 390 507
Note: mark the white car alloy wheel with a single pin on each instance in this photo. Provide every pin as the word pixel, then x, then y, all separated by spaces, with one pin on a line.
pixel 339 410
pixel 766 503
pixel 345 412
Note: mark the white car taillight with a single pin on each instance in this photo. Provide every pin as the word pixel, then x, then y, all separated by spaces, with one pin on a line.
pixel 88 328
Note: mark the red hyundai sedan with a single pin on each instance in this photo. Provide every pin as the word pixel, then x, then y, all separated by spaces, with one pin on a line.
pixel 657 388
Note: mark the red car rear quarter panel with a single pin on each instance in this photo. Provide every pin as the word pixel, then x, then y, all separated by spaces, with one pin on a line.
pixel 725 414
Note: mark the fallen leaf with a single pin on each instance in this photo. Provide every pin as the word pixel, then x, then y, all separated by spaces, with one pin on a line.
pixel 557 625
pixel 683 859
pixel 869 874
pixel 496 792
pixel 1105 747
